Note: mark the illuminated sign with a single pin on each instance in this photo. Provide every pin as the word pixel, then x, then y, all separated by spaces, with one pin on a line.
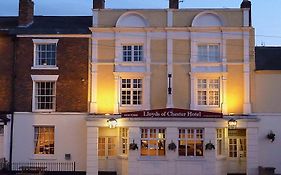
pixel 171 113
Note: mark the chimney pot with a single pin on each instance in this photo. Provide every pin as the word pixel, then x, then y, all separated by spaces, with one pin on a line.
pixel 26 12
pixel 98 4
pixel 174 4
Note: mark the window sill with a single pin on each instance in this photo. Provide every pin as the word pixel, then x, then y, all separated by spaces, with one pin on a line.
pixel 208 108
pixel 43 111
pixel 44 68
pixel 129 108
pixel 152 158
pixel 43 157
pixel 221 157
pixel 191 158
pixel 125 157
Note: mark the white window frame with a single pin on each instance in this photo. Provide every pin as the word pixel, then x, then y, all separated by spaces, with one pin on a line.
pixel 131 91
pixel 194 89
pixel 37 42
pixel 124 139
pixel 36 139
pixel 43 78
pixel 208 56
pixel 156 138
pixel 132 51
pixel 194 137
pixel 208 90
pixel 220 141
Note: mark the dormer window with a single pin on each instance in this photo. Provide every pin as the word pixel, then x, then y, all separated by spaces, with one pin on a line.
pixel 132 53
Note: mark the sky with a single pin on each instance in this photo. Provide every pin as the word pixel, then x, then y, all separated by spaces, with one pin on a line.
pixel 264 12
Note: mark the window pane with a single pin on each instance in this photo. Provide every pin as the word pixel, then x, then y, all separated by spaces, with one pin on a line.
pixel 45 95
pixel 202 53
pixel 43 140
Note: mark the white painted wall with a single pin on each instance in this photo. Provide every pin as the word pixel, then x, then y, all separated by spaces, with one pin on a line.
pixel 269 154
pixel 70 137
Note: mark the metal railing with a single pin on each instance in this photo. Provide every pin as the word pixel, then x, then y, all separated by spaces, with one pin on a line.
pixel 44 166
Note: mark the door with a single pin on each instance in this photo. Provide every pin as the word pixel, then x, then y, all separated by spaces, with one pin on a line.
pixel 237 152
pixel 107 151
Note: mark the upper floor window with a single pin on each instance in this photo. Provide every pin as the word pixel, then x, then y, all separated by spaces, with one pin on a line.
pixel 190 142
pixel 45 53
pixel 44 92
pixel 208 92
pixel 44 140
pixel 45 95
pixel 153 141
pixel 131 91
pixel 132 53
pixel 208 53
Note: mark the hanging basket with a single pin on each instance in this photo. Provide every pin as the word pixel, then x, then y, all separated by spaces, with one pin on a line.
pixel 133 146
pixel 271 136
pixel 172 146
pixel 209 146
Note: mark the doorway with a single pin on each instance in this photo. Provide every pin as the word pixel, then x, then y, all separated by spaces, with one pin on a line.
pixel 237 151
pixel 107 151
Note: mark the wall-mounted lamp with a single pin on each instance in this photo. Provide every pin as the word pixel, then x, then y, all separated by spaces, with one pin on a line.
pixel 112 123
pixel 232 123
pixel 169 87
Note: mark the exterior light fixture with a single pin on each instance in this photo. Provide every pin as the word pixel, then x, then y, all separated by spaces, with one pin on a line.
pixel 112 123
pixel 232 123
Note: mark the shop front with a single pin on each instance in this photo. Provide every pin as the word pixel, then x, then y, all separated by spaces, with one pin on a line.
pixel 170 141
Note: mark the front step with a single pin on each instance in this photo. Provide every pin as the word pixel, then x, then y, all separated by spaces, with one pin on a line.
pixel 107 173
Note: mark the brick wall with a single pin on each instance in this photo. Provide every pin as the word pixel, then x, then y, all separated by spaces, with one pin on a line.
pixel 72 84
pixel 6 60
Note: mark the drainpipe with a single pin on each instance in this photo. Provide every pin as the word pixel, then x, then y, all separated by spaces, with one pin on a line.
pixel 13 100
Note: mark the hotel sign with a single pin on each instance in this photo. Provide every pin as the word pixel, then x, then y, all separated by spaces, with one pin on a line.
pixel 171 113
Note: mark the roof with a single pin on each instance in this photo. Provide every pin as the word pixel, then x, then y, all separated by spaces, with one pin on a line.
pixel 49 25
pixel 7 23
pixel 268 58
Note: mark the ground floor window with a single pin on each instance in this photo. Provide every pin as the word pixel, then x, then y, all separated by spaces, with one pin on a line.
pixel 124 140
pixel 220 141
pixel 190 142
pixel 153 141
pixel 106 146
pixel 44 139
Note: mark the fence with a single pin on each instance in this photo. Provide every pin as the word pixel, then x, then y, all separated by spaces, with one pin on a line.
pixel 50 167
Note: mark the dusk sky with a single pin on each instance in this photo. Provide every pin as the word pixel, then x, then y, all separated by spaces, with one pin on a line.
pixel 265 12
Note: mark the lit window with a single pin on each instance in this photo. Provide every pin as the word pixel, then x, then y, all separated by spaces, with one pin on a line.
pixel 45 95
pixel 208 92
pixel 106 146
pixel 209 53
pixel 237 147
pixel 132 53
pixel 190 142
pixel 124 140
pixel 131 91
pixel 45 54
pixel 44 140
pixel 153 142
pixel 220 141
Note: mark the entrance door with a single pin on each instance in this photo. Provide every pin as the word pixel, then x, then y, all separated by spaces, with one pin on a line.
pixel 107 153
pixel 237 151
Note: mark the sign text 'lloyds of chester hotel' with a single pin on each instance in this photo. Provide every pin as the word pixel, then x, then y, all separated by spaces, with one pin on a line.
pixel 171 113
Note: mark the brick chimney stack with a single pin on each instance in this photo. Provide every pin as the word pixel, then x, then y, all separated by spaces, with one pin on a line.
pixel 26 13
pixel 98 4
pixel 174 4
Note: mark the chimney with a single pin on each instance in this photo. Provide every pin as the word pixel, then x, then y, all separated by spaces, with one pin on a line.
pixel 26 12
pixel 174 4
pixel 246 4
pixel 98 4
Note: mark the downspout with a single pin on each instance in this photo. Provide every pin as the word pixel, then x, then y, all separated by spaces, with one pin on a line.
pixel 13 100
